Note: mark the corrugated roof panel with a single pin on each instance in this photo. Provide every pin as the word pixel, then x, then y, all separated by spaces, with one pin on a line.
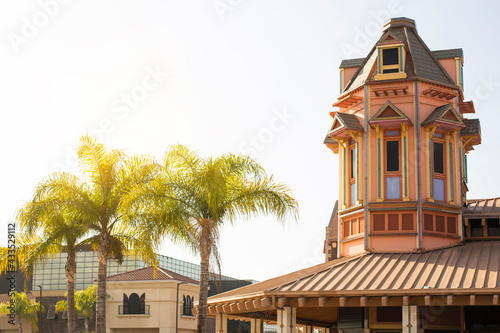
pixel 482 267
pixel 398 268
pixel 438 262
pixel 462 275
pixel 473 265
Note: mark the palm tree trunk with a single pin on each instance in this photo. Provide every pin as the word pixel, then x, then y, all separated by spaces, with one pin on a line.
pixel 86 323
pixel 205 250
pixel 21 325
pixel 70 278
pixel 102 257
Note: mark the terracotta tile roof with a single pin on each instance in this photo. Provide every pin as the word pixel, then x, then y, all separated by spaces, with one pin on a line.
pixel 460 268
pixel 482 207
pixel 147 274
pixel 447 54
pixel 350 63
pixel 350 121
pixel 473 126
pixel 4 298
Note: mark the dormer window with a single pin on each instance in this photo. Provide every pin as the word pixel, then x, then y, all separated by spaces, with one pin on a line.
pixel 390 62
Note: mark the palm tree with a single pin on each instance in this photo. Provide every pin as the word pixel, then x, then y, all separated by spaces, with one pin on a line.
pixel 85 304
pixel 200 195
pixel 59 234
pixel 96 202
pixel 24 308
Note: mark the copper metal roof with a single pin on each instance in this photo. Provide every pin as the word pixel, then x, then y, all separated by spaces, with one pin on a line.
pixel 147 274
pixel 473 265
pixel 483 207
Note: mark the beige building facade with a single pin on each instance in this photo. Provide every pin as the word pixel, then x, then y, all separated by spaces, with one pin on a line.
pixel 140 302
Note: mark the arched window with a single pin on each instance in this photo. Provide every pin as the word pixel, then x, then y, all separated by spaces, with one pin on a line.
pixel 134 304
pixel 187 306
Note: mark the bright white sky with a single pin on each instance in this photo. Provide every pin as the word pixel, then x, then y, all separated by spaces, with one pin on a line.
pixel 249 76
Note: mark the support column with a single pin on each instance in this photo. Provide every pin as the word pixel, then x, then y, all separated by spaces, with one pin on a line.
pixel 308 329
pixel 256 325
pixel 410 319
pixel 287 320
pixel 221 323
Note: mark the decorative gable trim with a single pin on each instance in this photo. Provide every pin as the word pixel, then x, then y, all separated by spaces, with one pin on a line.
pixel 446 117
pixel 389 116
pixel 344 125
pixel 388 38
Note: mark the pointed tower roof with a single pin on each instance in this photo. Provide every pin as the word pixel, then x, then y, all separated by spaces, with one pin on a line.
pixel 419 62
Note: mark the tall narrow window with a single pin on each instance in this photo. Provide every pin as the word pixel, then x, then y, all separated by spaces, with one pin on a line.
pixel 392 165
pixel 438 170
pixel 352 172
pixel 187 307
pixel 392 156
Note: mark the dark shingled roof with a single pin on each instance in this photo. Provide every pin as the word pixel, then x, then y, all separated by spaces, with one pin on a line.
pixel 350 63
pixel 329 140
pixel 350 121
pixel 447 54
pixel 438 112
pixel 147 274
pixel 472 127
pixel 425 64
pixel 420 61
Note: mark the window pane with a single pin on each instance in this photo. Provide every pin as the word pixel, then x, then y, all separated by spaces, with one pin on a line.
pixel 438 189
pixel 391 70
pixel 476 229
pixel 392 187
pixel 392 155
pixel 438 157
pixel 390 56
pixel 353 194
pixel 493 227
pixel 353 161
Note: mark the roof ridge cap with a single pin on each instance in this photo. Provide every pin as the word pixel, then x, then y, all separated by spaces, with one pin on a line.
pixel 163 271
